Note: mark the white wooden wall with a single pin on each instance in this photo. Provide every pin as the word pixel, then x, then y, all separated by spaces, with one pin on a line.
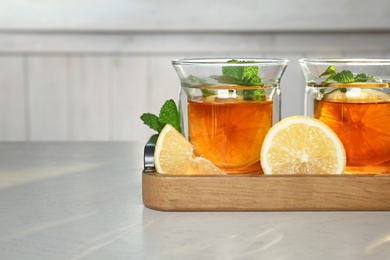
pixel 86 70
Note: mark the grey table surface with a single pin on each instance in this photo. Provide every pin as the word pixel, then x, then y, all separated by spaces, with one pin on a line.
pixel 83 200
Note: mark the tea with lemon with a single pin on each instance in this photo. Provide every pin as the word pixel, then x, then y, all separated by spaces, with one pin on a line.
pixel 227 106
pixel 360 118
pixel 229 131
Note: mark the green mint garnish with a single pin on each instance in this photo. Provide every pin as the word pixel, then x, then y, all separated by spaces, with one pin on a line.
pixel 193 80
pixel 252 94
pixel 208 92
pixel 169 114
pixel 244 76
pixel 330 71
pixel 235 72
pixel 363 77
pixel 343 90
pixel 345 76
pixel 152 121
pixel 241 75
pixel 247 76
pixel 237 75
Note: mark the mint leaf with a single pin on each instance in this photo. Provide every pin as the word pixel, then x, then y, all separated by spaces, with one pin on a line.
pixel 152 121
pixel 208 92
pixel 240 75
pixel 243 75
pixel 235 72
pixel 342 90
pixel 252 94
pixel 344 76
pixel 194 80
pixel 169 114
pixel 363 77
pixel 250 76
pixel 330 71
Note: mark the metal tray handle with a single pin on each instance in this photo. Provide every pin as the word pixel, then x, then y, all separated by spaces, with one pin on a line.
pixel 149 154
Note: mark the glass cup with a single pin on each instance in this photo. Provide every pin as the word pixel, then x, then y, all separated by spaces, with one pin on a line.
pixel 227 107
pixel 351 96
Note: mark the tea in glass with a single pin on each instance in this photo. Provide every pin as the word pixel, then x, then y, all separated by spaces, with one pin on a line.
pixel 227 107
pixel 351 96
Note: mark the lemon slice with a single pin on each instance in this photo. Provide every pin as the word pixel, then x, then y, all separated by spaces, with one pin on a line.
pixel 302 145
pixel 360 85
pixel 174 155
pixel 357 95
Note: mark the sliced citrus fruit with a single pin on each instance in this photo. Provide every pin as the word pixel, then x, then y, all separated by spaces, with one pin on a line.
pixel 361 120
pixel 174 155
pixel 302 145
pixel 356 95
pixel 360 85
pixel 229 132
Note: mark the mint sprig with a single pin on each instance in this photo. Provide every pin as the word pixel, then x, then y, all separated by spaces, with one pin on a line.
pixel 244 76
pixel 345 76
pixel 169 114
pixel 240 75
pixel 363 77
pixel 236 75
pixel 152 121
pixel 252 94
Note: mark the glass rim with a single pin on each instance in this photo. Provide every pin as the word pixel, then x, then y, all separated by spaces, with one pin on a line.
pixel 224 61
pixel 349 61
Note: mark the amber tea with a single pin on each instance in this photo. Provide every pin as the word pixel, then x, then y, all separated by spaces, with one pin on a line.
pixel 351 96
pixel 230 132
pixel 364 130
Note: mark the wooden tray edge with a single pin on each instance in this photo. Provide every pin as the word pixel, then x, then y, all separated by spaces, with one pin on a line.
pixel 266 193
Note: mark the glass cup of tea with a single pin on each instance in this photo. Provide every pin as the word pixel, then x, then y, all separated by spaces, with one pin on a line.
pixel 227 106
pixel 351 96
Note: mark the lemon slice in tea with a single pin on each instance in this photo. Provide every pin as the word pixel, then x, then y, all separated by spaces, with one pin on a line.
pixel 229 133
pixel 357 93
pixel 360 117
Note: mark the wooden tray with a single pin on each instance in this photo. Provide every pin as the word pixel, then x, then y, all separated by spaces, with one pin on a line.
pixel 265 193
pixel 261 192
